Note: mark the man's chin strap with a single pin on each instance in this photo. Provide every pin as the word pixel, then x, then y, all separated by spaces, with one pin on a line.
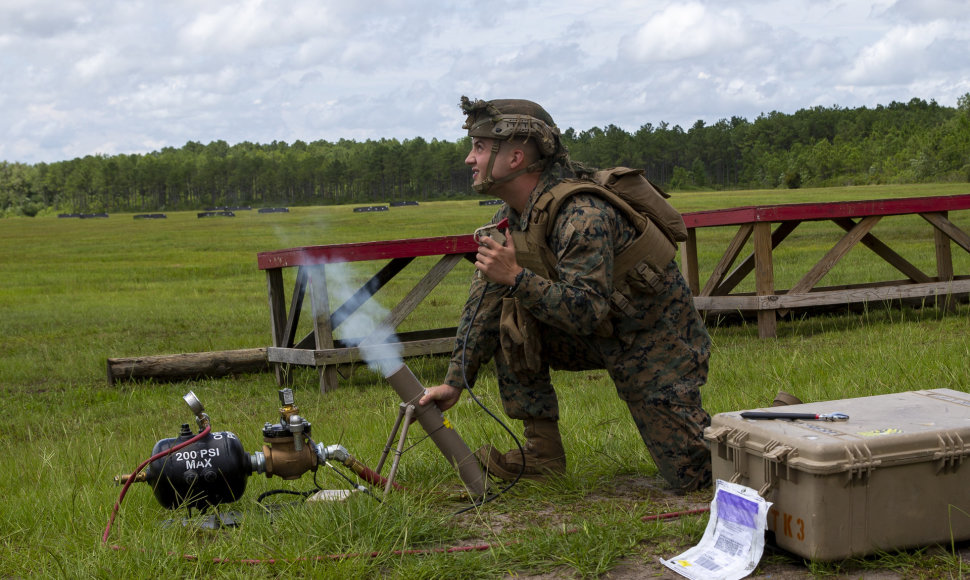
pixel 487 181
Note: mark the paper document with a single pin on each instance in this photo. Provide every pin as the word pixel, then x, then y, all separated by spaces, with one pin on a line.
pixel 734 539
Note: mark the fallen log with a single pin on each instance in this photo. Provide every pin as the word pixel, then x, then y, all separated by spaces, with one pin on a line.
pixel 180 367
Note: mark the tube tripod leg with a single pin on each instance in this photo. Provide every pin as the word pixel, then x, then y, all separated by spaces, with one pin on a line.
pixel 390 438
pixel 408 413
pixel 455 450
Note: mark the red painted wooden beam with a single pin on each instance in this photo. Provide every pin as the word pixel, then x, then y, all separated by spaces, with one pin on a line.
pixel 825 211
pixel 465 244
pixel 361 251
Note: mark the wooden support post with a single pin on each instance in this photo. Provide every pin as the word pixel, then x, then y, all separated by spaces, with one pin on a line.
pixel 944 262
pixel 277 317
pixel 322 328
pixel 359 298
pixel 940 222
pixel 688 261
pixel 764 282
pixel 944 255
pixel 296 306
pixel 747 265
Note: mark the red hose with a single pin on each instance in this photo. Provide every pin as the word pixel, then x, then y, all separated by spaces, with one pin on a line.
pixel 131 478
pixel 368 474
pixel 671 515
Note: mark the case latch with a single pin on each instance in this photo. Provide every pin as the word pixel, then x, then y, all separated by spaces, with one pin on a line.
pixel 775 454
pixel 951 453
pixel 859 463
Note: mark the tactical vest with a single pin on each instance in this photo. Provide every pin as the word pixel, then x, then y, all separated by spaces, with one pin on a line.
pixel 641 266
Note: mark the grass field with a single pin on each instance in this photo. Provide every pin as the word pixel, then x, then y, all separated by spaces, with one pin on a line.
pixel 75 292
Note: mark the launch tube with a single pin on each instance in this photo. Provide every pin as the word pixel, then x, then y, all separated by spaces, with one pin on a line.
pixel 444 436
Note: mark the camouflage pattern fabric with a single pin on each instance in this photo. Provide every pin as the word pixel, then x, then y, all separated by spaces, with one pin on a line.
pixel 658 359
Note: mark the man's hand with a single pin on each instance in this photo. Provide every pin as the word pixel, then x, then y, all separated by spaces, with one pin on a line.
pixel 445 395
pixel 497 262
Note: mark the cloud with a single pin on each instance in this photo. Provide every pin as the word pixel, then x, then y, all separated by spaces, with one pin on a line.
pixel 903 55
pixel 237 27
pixel 105 76
pixel 928 10
pixel 41 18
pixel 686 31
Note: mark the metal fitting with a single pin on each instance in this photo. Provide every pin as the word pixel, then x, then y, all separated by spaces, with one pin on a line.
pixel 296 428
pixel 335 452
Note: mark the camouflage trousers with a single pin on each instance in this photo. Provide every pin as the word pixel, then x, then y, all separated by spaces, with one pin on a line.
pixel 670 418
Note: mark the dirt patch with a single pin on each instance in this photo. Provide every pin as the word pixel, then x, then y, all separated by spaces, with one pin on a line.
pixel 776 564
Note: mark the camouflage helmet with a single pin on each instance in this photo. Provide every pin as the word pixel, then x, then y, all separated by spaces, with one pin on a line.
pixel 507 118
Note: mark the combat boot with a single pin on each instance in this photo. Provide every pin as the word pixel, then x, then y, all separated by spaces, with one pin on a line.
pixel 543 451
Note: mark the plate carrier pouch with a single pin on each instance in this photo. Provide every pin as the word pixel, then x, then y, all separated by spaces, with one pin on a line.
pixel 638 267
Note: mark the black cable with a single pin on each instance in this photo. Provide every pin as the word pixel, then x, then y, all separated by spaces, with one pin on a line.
pixel 315 472
pixel 266 494
pixel 305 494
pixel 354 486
pixel 468 387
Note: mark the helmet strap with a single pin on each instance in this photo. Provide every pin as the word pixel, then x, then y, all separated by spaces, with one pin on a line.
pixel 488 181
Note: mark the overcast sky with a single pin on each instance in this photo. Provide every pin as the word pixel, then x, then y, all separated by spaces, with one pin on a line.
pixel 81 77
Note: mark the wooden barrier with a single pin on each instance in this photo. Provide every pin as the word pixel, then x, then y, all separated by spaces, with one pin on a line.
pixel 319 348
pixel 718 294
pixel 857 219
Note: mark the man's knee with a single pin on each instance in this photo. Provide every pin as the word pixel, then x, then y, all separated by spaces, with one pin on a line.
pixel 671 424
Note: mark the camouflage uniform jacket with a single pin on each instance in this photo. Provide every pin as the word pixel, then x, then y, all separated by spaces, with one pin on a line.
pixel 667 338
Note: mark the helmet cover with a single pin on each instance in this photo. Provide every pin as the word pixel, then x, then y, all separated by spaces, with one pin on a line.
pixel 507 118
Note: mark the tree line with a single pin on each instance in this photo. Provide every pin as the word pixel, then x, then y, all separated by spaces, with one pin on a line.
pixel 916 141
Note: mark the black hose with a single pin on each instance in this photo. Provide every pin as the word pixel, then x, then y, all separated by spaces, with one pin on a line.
pixel 468 387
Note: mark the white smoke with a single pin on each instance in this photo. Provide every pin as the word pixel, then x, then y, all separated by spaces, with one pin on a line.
pixel 365 328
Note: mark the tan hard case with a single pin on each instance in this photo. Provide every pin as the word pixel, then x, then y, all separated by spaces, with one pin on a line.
pixel 890 477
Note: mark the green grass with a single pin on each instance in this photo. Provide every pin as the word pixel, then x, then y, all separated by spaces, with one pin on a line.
pixel 75 292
